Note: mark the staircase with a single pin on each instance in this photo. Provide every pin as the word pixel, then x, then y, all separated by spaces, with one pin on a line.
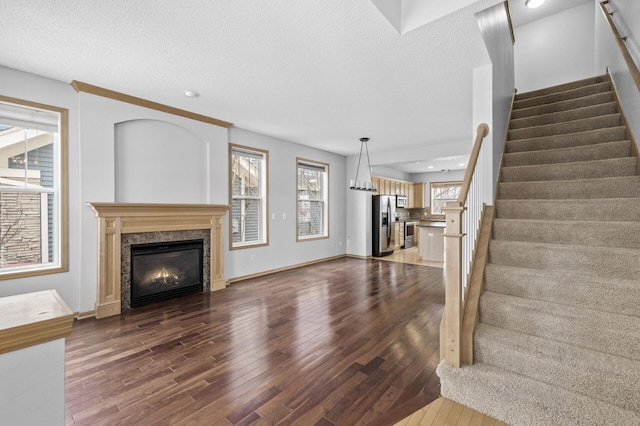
pixel 558 340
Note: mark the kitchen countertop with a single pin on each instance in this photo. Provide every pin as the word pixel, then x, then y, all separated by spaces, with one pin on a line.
pixel 432 224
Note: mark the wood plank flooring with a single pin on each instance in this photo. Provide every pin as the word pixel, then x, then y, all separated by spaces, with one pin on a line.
pixel 443 412
pixel 343 342
pixel 410 255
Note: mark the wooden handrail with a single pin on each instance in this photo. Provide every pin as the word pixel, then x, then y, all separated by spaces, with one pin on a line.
pixel 513 37
pixel 633 68
pixel 451 324
pixel 482 132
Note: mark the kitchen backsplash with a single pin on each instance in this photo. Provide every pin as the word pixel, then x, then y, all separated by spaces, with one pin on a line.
pixel 414 214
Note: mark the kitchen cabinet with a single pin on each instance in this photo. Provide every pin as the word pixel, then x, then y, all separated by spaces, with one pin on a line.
pixel 404 188
pixel 418 195
pixel 413 190
pixel 431 246
pixel 410 196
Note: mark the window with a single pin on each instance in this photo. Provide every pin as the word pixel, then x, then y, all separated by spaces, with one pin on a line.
pixel 313 204
pixel 33 176
pixel 442 193
pixel 248 182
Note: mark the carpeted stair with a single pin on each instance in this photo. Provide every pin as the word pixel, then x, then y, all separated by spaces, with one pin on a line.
pixel 558 340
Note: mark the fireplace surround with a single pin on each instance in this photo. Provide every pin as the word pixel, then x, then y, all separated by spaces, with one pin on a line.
pixel 118 219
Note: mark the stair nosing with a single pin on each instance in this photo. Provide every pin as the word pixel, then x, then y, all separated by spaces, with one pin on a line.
pixel 559 272
pixel 565 164
pixel 558 342
pixel 573 181
pixel 557 103
pixel 566 246
pixel 578 282
pixel 568 221
pixel 564 135
pixel 553 93
pixel 549 114
pixel 568 148
pixel 611 115
pixel 604 77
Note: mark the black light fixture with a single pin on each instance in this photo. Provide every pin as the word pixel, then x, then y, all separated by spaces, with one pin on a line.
pixel 361 185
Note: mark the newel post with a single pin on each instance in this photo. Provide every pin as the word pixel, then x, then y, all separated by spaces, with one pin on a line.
pixel 451 329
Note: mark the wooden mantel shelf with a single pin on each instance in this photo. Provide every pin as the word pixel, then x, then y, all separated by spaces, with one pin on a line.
pixel 33 318
pixel 116 219
pixel 152 209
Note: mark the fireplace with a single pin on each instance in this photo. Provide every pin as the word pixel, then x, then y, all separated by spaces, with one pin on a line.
pixel 137 222
pixel 165 270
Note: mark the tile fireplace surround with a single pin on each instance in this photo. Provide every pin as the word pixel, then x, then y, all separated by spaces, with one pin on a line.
pixel 116 219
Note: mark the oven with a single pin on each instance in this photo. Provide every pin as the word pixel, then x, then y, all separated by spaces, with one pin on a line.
pixel 409 233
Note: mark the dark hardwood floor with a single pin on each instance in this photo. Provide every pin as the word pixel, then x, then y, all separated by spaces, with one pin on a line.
pixel 343 342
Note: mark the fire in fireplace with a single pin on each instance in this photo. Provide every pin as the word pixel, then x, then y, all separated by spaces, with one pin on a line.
pixel 163 271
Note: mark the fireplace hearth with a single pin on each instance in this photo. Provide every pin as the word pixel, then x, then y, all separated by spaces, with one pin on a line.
pixel 165 270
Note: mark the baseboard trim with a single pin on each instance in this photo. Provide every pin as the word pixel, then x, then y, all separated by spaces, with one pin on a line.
pixel 84 315
pixel 356 256
pixel 285 268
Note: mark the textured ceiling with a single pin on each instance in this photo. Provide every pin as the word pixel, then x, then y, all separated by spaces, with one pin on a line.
pixel 320 73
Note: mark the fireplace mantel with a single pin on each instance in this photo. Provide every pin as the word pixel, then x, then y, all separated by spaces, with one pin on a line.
pixel 115 219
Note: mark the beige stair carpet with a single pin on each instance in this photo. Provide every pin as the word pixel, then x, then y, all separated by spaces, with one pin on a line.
pixel 558 340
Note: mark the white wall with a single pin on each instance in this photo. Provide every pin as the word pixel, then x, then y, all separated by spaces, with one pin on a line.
pixel 388 173
pixel 556 49
pixel 283 250
pixel 627 18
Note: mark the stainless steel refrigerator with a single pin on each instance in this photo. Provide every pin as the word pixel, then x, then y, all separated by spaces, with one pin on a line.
pixel 384 215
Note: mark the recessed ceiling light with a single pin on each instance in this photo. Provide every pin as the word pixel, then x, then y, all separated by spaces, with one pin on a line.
pixel 430 167
pixel 533 3
pixel 190 93
pixel 461 164
pixel 417 162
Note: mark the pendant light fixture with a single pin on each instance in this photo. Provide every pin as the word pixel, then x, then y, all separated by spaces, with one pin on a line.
pixel 361 185
pixel 533 3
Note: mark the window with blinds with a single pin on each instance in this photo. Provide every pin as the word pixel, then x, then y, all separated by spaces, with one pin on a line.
pixel 32 188
pixel 313 200
pixel 248 168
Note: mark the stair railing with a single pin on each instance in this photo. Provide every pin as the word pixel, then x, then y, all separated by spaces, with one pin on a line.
pixel 633 68
pixel 458 249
